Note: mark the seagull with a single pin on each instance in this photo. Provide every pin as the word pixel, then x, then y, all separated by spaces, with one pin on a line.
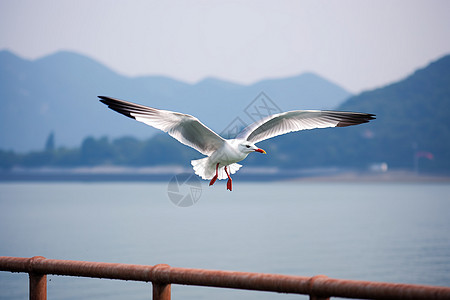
pixel 223 154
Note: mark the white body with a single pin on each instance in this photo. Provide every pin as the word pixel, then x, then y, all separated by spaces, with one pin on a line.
pixel 226 156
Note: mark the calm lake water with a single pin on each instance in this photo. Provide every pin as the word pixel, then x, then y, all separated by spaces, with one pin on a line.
pixel 365 231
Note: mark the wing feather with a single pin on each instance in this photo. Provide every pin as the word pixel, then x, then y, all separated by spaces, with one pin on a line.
pixel 185 128
pixel 297 120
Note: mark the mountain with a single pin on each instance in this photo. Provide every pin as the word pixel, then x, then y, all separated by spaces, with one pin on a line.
pixel 411 130
pixel 413 124
pixel 58 94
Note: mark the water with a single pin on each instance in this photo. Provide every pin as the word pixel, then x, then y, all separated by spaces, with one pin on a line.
pixel 380 232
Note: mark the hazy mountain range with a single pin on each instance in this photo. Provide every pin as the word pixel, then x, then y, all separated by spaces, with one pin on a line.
pixel 58 93
pixel 412 129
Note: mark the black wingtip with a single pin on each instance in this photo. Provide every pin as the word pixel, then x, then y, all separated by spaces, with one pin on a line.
pixel 116 105
pixel 355 119
pixel 104 99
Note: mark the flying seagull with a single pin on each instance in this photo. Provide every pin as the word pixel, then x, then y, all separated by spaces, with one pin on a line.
pixel 223 154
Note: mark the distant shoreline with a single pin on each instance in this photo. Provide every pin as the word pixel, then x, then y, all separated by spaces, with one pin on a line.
pixel 390 176
pixel 165 173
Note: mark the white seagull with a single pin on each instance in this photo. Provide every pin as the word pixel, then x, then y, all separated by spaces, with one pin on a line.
pixel 223 154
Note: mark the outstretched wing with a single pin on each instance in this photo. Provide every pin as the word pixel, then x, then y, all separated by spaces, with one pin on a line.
pixel 296 120
pixel 185 128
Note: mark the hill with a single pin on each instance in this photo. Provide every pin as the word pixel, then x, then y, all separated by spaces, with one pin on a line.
pixel 413 124
pixel 412 129
pixel 57 93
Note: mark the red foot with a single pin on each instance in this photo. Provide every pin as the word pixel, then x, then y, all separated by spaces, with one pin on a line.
pixel 215 176
pixel 213 180
pixel 229 182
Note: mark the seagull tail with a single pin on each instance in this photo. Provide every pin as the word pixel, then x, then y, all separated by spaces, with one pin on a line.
pixel 203 168
pixel 206 170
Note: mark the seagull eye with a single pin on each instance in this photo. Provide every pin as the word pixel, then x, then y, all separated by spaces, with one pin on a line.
pixel 248 146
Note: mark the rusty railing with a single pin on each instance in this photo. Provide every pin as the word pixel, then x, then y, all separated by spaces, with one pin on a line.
pixel 162 276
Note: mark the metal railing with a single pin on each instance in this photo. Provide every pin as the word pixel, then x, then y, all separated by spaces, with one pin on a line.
pixel 162 276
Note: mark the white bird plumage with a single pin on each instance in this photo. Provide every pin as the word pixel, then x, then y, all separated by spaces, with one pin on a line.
pixel 223 154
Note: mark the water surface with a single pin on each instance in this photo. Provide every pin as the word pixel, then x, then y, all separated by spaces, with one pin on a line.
pixel 367 231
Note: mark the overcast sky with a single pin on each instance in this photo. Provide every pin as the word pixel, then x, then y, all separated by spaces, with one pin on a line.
pixel 357 44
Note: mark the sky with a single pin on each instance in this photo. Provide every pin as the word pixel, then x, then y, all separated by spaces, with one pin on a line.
pixel 358 44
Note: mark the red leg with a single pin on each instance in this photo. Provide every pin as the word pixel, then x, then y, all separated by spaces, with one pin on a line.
pixel 229 180
pixel 215 176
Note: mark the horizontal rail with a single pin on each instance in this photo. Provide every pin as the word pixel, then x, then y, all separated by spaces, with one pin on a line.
pixel 161 275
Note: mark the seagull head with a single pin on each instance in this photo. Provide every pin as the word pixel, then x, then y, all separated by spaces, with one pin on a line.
pixel 248 147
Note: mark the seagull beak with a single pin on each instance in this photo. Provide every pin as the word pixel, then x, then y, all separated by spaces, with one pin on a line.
pixel 260 151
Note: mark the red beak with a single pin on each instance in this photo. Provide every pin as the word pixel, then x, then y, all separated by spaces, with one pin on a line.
pixel 260 151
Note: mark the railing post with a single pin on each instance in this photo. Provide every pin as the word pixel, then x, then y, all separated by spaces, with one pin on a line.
pixel 38 281
pixel 312 297
pixel 313 291
pixel 38 286
pixel 161 291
